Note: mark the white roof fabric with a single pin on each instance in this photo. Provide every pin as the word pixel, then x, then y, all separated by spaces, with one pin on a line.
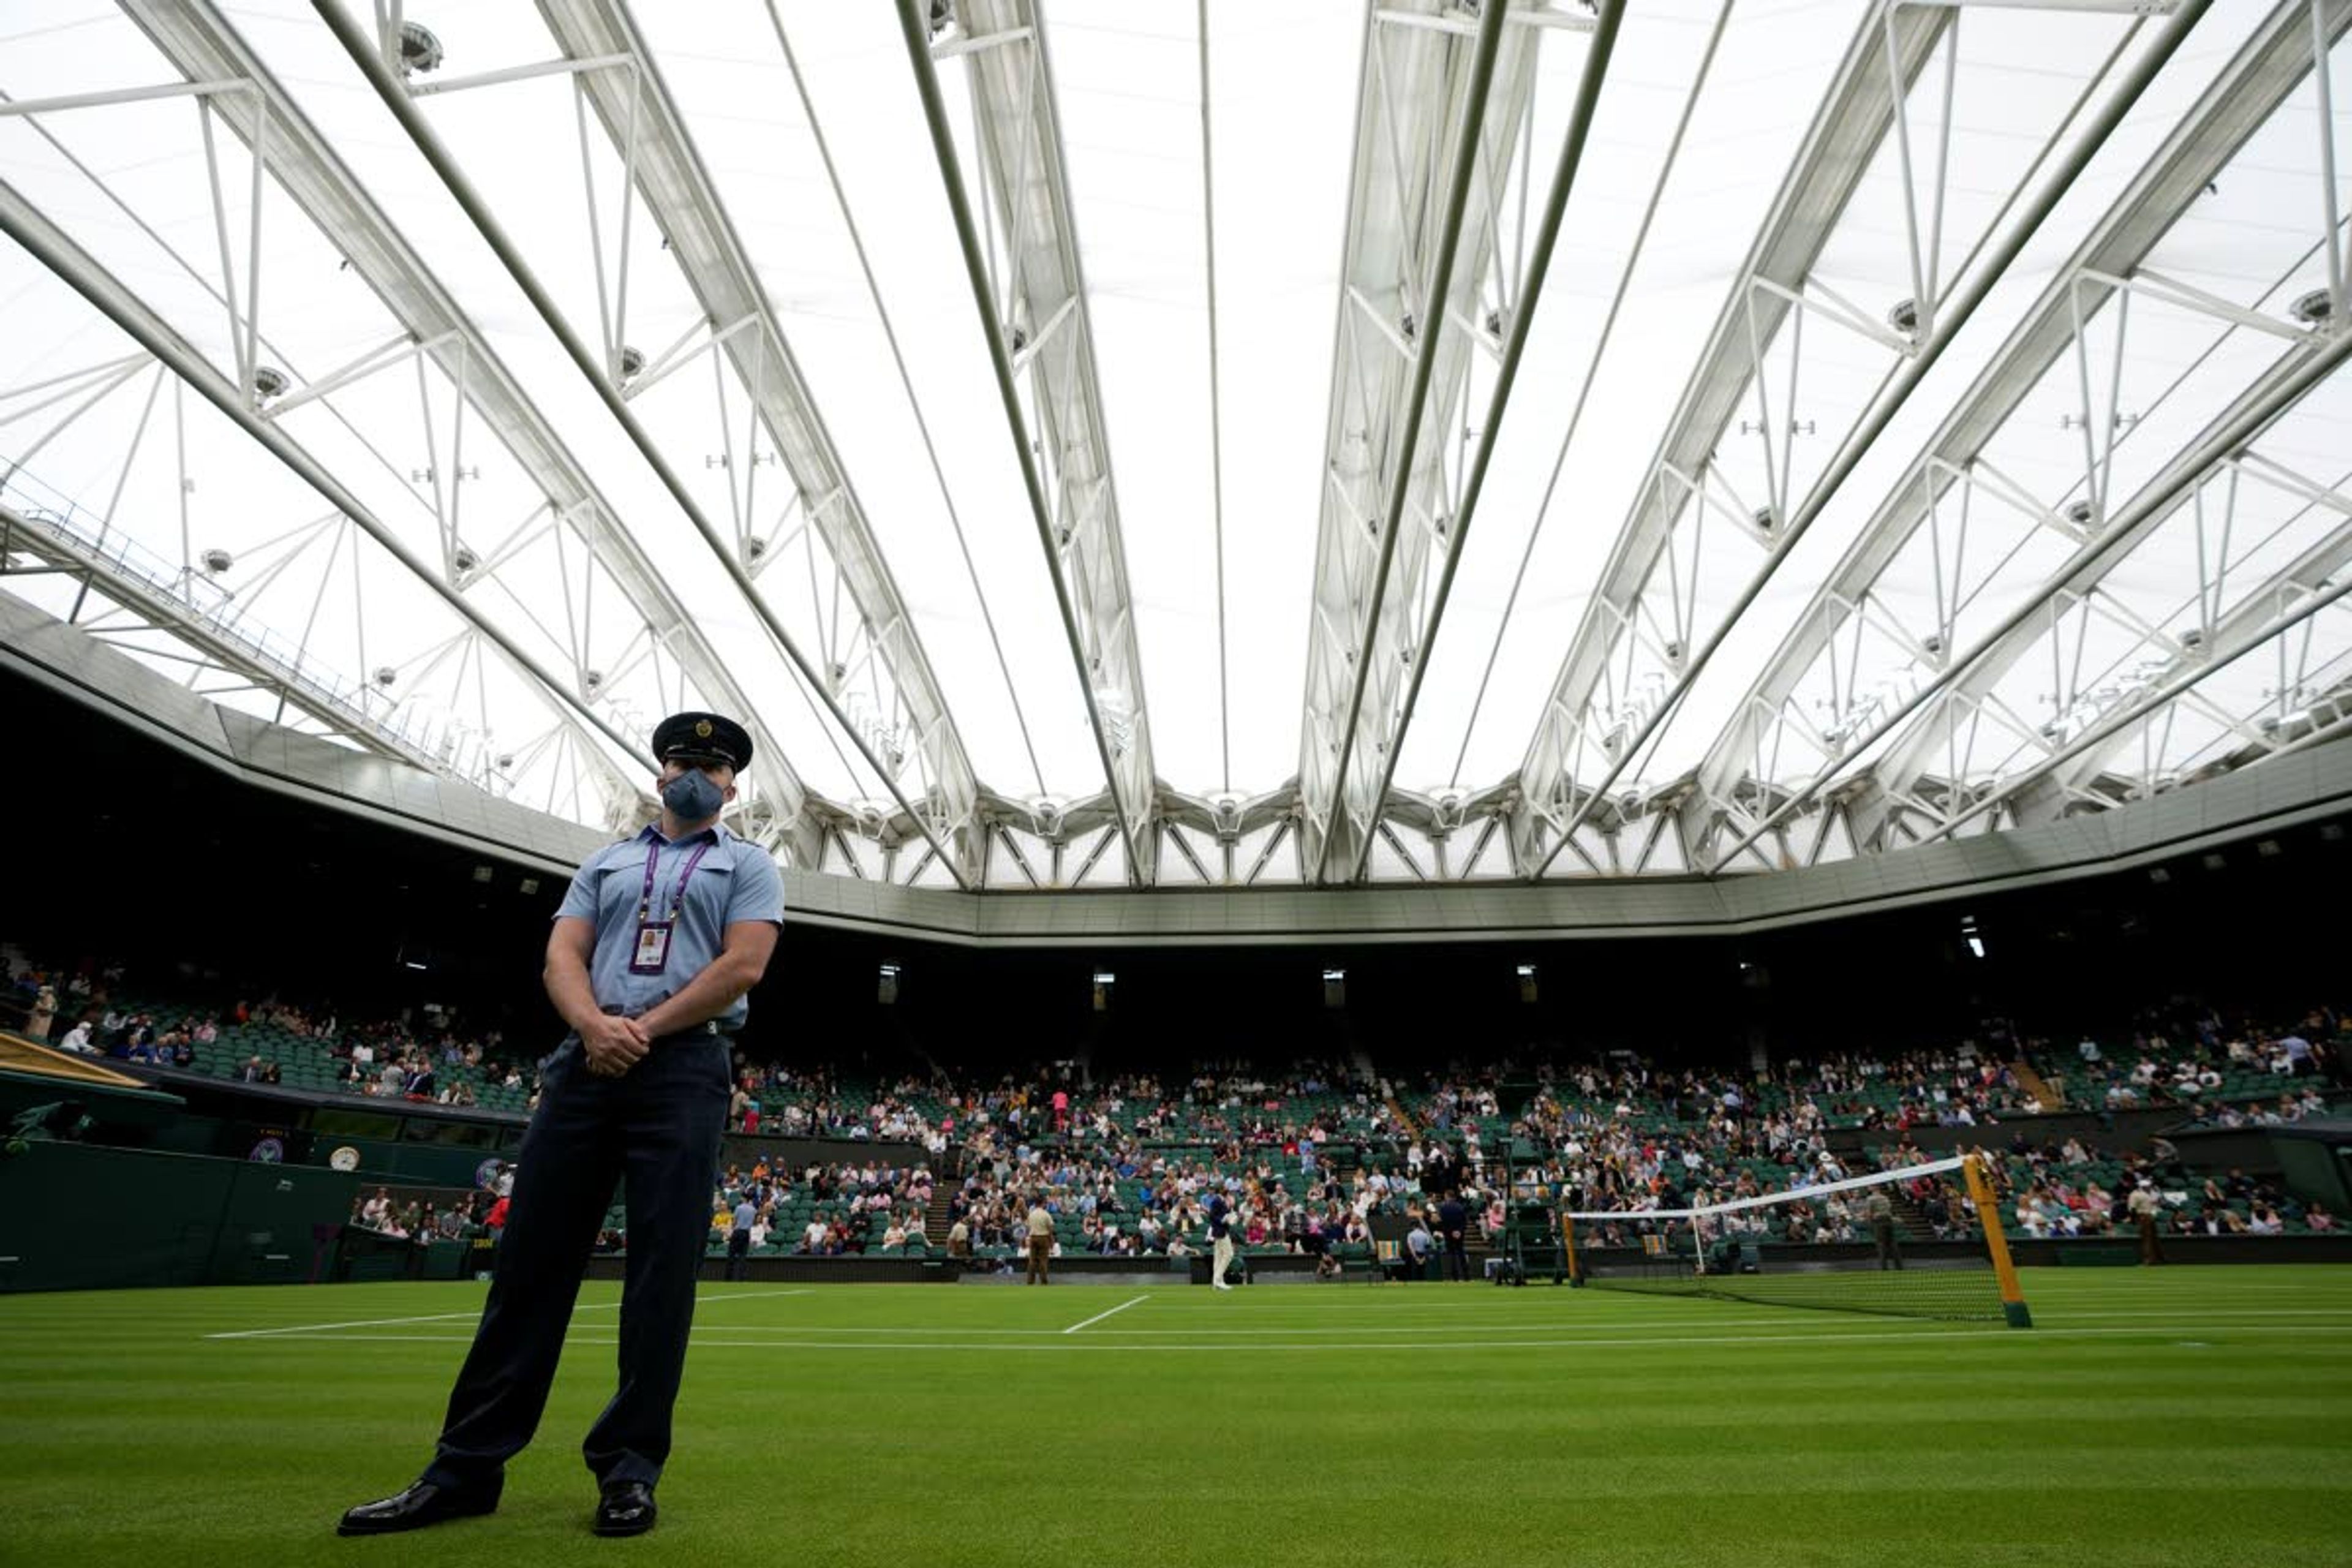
pixel 1880 607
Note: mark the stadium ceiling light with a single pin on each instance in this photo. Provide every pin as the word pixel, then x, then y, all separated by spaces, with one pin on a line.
pixel 419 49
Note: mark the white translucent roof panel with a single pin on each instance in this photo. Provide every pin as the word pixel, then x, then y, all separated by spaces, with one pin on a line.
pixel 1127 88
pixel 858 74
pixel 1165 136
pixel 1758 98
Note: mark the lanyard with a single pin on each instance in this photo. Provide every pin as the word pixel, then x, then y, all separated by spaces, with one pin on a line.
pixel 677 893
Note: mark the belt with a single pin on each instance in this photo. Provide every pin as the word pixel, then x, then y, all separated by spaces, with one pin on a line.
pixel 707 1030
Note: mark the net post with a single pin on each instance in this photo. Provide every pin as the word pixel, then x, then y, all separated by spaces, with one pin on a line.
pixel 2012 1295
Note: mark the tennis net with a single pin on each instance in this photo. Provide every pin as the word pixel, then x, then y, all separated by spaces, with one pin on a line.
pixel 1854 1244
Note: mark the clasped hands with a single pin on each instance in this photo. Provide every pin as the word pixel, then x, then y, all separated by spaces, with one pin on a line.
pixel 614 1045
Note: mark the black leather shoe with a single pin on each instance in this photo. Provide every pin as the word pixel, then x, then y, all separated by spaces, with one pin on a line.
pixel 422 1504
pixel 625 1509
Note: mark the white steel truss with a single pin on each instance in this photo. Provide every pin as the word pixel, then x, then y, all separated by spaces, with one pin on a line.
pixel 867 669
pixel 2105 659
pixel 1021 254
pixel 1438 125
pixel 1519 291
pixel 1641 643
pixel 207 625
pixel 1958 509
pixel 2114 569
pixel 907 723
pixel 194 35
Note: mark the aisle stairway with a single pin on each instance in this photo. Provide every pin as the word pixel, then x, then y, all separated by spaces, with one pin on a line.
pixel 941 1214
pixel 2034 1084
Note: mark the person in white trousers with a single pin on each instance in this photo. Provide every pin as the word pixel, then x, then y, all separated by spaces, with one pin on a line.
pixel 1220 1236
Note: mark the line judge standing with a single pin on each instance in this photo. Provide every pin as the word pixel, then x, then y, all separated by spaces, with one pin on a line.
pixel 652 949
pixel 1220 1239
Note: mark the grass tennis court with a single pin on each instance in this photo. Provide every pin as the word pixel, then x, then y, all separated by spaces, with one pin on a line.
pixel 2188 1417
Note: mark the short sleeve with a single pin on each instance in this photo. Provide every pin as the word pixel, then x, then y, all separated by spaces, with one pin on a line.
pixel 758 893
pixel 580 899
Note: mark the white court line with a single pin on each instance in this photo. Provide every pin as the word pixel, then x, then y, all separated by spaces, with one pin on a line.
pixel 1098 1317
pixel 470 1312
pixel 1825 1319
pixel 1998 1335
pixel 358 1324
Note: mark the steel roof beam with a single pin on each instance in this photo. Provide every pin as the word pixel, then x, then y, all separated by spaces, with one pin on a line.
pixel 52 248
pixel 2257 618
pixel 1854 120
pixel 1400 362
pixel 2298 595
pixel 2275 59
pixel 1572 731
pixel 685 206
pixel 202 44
pixel 1040 336
pixel 218 635
pixel 364 54
pixel 1388 721
pixel 1965 686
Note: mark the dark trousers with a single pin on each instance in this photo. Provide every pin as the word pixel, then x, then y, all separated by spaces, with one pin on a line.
pixel 2150 1249
pixel 1457 1256
pixel 654 1129
pixel 1882 1233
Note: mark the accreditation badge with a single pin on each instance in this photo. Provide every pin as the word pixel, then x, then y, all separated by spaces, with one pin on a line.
pixel 653 947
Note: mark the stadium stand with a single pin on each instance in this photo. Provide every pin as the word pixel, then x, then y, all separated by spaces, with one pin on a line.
pixel 1323 1156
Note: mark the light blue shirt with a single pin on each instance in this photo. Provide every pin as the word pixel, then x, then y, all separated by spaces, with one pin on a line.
pixel 734 881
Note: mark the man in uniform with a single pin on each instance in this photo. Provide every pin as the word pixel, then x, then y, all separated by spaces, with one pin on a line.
pixel 652 953
pixel 738 1238
pixel 1454 1226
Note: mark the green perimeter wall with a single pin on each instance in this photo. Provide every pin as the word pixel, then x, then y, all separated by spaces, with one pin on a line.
pixel 73 1217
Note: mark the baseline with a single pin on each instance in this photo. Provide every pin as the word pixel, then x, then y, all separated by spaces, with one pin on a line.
pixel 295 1329
pixel 1056 1341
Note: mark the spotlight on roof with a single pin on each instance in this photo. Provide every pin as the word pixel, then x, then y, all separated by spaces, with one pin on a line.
pixel 1905 318
pixel 754 548
pixel 942 16
pixel 633 364
pixel 386 677
pixel 2193 638
pixel 268 383
pixel 419 49
pixel 464 560
pixel 2312 309
pixel 1932 644
pixel 592 682
pixel 1762 519
pixel 2080 513
pixel 216 561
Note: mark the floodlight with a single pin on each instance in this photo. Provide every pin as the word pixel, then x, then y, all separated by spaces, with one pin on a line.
pixel 419 49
